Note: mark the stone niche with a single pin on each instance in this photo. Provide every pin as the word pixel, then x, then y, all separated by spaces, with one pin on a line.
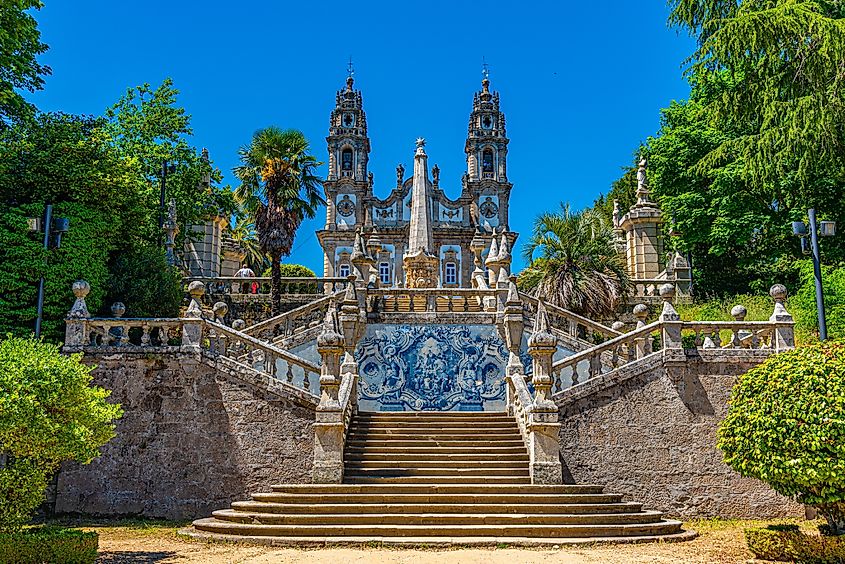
pixel 193 439
pixel 651 435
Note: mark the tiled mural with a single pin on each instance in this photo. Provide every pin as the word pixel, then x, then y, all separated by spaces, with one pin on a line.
pixel 431 368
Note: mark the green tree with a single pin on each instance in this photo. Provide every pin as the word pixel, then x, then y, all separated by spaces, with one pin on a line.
pixel 573 263
pixel 142 280
pixel 49 413
pixel 20 45
pixel 244 235
pixel 786 426
pixel 280 189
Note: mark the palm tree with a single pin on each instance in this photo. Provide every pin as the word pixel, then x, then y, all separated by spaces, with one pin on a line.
pixel 573 263
pixel 244 235
pixel 279 189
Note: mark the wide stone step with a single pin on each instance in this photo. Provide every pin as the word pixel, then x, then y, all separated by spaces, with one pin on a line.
pixel 662 527
pixel 428 436
pixel 410 508
pixel 480 465
pixel 436 425
pixel 436 498
pixel 437 519
pixel 430 415
pixel 358 479
pixel 431 442
pixel 439 458
pixel 444 489
pixel 437 450
pixel 396 471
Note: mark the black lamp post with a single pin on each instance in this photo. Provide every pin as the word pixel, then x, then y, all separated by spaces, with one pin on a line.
pixel 53 229
pixel 811 247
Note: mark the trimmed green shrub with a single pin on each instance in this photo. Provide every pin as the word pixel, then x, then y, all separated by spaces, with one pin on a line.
pixel 786 426
pixel 48 544
pixel 791 545
pixel 803 304
pixel 49 413
pixel 145 283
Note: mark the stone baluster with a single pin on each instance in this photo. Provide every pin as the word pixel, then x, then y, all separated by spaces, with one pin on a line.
pixel 620 352
pixel 220 309
pixel 784 331
pixel 738 312
pixel 641 347
pixel 353 320
pixel 76 324
pixel 544 425
pixel 119 333
pixel 329 427
pixel 192 325
pixel 671 336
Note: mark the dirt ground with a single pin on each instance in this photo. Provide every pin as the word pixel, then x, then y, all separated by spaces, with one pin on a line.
pixel 151 543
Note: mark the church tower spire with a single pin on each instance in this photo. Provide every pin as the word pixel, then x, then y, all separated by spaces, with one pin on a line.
pixel 421 266
pixel 349 146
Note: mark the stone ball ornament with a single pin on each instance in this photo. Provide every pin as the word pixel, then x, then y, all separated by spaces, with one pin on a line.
pixel 239 325
pixel 778 293
pixel 739 312
pixel 618 326
pixel 196 289
pixel 641 311
pixel 118 309
pixel 220 309
pixel 81 288
pixel 667 291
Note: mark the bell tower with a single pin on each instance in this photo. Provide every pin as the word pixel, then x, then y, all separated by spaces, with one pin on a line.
pixel 349 146
pixel 486 150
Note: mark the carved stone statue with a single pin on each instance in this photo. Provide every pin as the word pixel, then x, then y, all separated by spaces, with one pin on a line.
pixel 400 174
pixel 435 175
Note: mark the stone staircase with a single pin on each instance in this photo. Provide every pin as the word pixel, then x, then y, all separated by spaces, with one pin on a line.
pixel 437 478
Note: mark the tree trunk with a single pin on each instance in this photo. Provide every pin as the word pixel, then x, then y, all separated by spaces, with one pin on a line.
pixel 834 513
pixel 276 284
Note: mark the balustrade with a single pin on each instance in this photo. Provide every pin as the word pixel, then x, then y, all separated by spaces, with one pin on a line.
pixel 430 300
pixel 291 322
pixel 260 285
pixel 129 332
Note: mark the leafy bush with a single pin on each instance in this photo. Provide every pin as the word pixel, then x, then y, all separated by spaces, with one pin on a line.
pixel 804 302
pixel 786 426
pixel 84 253
pixel 145 283
pixel 47 544
pixel 790 545
pixel 294 271
pixel 49 413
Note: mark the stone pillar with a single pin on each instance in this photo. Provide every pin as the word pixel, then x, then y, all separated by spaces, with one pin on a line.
pixel 784 333
pixel 353 319
pixel 642 346
pixel 192 324
pixel 671 335
pixel 492 263
pixel 544 426
pixel 513 325
pixel 75 325
pixel 328 428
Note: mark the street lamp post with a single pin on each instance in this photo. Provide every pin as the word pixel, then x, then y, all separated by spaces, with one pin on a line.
pixel 52 227
pixel 811 246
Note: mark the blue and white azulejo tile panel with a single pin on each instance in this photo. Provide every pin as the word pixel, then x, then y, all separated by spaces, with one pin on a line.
pixel 431 368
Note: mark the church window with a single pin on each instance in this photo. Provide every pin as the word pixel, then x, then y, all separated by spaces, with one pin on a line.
pixel 346 159
pixel 343 271
pixel 384 272
pixel 451 276
pixel 487 160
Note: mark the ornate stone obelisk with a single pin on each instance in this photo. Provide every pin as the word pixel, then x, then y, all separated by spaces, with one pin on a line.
pixel 421 266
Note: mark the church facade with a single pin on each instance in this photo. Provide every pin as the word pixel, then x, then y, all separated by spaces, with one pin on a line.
pixel 416 236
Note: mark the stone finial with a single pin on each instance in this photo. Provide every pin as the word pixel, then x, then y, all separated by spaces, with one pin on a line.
pixel 220 310
pixel 420 146
pixel 618 326
pixel 513 293
pixel 738 312
pixel 330 337
pixel 493 254
pixel 196 289
pixel 542 336
pixel 667 293
pixel 642 182
pixel 504 249
pixel 118 309
pixel 641 313
pixel 778 293
pixel 80 288
pixel 239 325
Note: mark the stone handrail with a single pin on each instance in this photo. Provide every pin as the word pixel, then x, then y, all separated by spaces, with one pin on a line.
pixel 227 285
pixel 650 287
pixel 290 322
pixel 128 332
pixel 520 404
pixel 570 323
pixel 432 300
pixel 613 353
pixel 260 356
pixel 741 334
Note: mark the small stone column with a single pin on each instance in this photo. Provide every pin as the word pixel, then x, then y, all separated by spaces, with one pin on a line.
pixel 671 320
pixel 513 324
pixel 76 323
pixel 492 263
pixel 353 320
pixel 784 333
pixel 328 428
pixel 544 426
pixel 641 344
pixel 192 324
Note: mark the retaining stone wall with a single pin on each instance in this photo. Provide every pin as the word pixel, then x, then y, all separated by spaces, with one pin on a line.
pixel 192 440
pixel 652 437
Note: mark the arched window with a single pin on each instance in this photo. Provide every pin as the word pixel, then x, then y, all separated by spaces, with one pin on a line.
pixel 343 271
pixel 487 160
pixel 346 160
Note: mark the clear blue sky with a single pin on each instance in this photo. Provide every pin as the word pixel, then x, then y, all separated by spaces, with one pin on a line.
pixel 581 82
